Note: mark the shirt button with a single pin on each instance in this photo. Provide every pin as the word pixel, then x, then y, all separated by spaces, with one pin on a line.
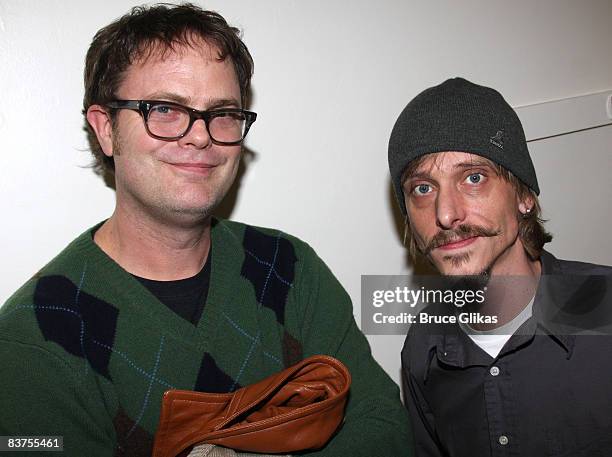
pixel 503 440
pixel 494 372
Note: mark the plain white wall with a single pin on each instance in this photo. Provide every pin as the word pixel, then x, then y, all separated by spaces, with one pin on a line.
pixel 330 79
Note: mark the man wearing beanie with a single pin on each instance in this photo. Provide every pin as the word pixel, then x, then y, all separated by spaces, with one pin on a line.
pixel 533 378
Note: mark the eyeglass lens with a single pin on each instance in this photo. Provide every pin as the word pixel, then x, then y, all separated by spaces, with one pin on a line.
pixel 172 121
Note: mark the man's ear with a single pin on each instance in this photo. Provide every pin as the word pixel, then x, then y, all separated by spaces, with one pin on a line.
pixel 100 121
pixel 526 204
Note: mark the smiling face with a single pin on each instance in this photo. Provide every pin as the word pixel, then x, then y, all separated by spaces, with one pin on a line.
pixel 174 180
pixel 464 215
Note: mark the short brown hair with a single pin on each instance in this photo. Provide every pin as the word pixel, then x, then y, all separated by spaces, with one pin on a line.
pixel 139 33
pixel 532 233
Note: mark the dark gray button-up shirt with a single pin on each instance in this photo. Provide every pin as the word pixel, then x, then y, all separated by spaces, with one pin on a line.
pixel 547 393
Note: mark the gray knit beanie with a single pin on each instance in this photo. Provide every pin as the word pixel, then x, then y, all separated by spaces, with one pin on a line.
pixel 459 116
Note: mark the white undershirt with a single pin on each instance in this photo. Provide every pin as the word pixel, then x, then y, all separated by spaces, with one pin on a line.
pixel 492 341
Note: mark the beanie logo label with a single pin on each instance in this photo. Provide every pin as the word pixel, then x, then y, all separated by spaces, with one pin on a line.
pixel 498 139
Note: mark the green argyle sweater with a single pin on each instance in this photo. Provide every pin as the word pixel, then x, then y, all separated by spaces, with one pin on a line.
pixel 86 351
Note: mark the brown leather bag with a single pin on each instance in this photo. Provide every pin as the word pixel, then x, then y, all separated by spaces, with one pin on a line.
pixel 294 410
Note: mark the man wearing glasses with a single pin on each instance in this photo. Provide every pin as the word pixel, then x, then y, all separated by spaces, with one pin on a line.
pixel 162 295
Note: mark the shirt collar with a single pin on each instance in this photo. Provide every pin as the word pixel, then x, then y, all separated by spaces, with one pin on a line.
pixel 453 347
pixel 550 266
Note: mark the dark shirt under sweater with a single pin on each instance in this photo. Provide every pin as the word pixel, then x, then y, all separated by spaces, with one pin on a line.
pixel 545 394
pixel 186 297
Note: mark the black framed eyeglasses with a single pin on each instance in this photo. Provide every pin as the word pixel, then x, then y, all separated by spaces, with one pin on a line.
pixel 171 121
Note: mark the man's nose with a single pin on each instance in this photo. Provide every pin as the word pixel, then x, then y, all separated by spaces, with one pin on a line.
pixel 449 209
pixel 197 136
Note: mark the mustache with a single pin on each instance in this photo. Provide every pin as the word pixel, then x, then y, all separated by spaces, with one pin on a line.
pixel 460 233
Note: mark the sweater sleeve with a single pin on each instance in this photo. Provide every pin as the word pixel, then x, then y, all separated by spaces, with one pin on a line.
pixel 42 396
pixel 375 423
